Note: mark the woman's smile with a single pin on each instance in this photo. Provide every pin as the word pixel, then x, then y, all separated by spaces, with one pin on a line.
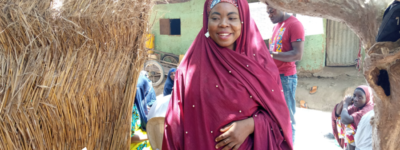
pixel 224 35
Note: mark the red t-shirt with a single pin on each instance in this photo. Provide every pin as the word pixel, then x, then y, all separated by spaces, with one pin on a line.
pixel 284 33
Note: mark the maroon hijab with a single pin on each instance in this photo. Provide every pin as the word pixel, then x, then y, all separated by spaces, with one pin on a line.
pixel 215 86
pixel 356 113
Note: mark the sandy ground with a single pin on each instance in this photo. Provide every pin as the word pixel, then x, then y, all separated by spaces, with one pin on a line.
pixel 311 127
pixel 159 89
pixel 333 84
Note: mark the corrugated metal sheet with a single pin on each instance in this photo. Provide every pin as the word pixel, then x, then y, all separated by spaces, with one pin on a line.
pixel 342 45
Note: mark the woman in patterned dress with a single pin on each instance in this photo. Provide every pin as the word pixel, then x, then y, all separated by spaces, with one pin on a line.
pixel 139 140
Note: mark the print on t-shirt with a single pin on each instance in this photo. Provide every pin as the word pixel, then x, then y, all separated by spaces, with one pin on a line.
pixel 283 35
pixel 278 41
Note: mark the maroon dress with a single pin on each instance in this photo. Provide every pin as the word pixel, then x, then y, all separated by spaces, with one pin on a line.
pixel 216 86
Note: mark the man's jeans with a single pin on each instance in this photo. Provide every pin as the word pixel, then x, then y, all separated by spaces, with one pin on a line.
pixel 289 84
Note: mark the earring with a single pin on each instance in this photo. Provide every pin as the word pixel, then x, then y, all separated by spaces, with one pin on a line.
pixel 207 34
pixel 242 22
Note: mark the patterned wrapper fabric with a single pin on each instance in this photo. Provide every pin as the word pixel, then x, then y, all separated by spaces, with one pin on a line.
pixel 346 132
pixel 212 3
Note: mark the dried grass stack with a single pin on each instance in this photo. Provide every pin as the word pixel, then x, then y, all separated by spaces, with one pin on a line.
pixel 68 72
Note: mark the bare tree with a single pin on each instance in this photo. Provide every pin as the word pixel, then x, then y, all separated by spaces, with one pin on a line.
pixel 381 66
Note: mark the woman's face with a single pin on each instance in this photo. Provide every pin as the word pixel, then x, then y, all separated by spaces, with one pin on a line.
pixel 224 25
pixel 359 98
pixel 172 76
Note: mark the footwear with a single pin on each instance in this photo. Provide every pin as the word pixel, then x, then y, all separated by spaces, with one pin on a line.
pixel 313 90
pixel 303 104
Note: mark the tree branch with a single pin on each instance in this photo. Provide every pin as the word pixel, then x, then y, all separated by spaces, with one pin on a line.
pixel 362 16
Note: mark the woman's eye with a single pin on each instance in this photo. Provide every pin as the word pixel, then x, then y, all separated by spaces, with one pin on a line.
pixel 232 18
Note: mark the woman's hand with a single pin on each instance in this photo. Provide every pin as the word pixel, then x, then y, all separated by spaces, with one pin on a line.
pixel 235 134
pixel 137 138
pixel 339 108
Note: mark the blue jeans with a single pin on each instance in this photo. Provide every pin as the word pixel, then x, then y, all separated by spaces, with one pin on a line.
pixel 289 84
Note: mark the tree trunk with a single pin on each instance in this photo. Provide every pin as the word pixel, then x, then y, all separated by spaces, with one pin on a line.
pixel 381 67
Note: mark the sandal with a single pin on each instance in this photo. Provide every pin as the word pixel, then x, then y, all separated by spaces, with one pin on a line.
pixel 313 90
pixel 303 104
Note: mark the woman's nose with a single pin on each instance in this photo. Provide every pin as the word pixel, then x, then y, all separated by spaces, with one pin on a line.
pixel 224 23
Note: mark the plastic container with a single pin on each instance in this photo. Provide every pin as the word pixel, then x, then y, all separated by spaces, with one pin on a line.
pixel 150 41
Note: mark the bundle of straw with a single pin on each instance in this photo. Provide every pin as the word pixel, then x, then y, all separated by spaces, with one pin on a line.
pixel 68 72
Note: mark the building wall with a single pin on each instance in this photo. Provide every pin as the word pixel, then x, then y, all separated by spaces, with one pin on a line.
pixel 314 53
pixel 191 15
pixel 313 59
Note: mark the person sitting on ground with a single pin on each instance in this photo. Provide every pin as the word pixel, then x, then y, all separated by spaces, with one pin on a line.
pixel 347 115
pixel 169 84
pixel 151 94
pixel 139 140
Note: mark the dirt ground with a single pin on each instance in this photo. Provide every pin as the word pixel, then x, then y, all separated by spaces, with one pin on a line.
pixel 159 89
pixel 311 131
pixel 333 84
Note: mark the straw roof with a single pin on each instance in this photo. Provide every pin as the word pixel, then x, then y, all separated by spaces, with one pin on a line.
pixel 68 72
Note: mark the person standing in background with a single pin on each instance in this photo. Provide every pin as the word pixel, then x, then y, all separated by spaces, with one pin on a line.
pixel 286 47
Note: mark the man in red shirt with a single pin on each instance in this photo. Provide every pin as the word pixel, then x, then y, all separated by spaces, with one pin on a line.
pixel 286 47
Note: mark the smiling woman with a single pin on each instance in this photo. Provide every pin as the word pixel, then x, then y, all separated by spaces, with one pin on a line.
pixel 228 93
pixel 224 25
